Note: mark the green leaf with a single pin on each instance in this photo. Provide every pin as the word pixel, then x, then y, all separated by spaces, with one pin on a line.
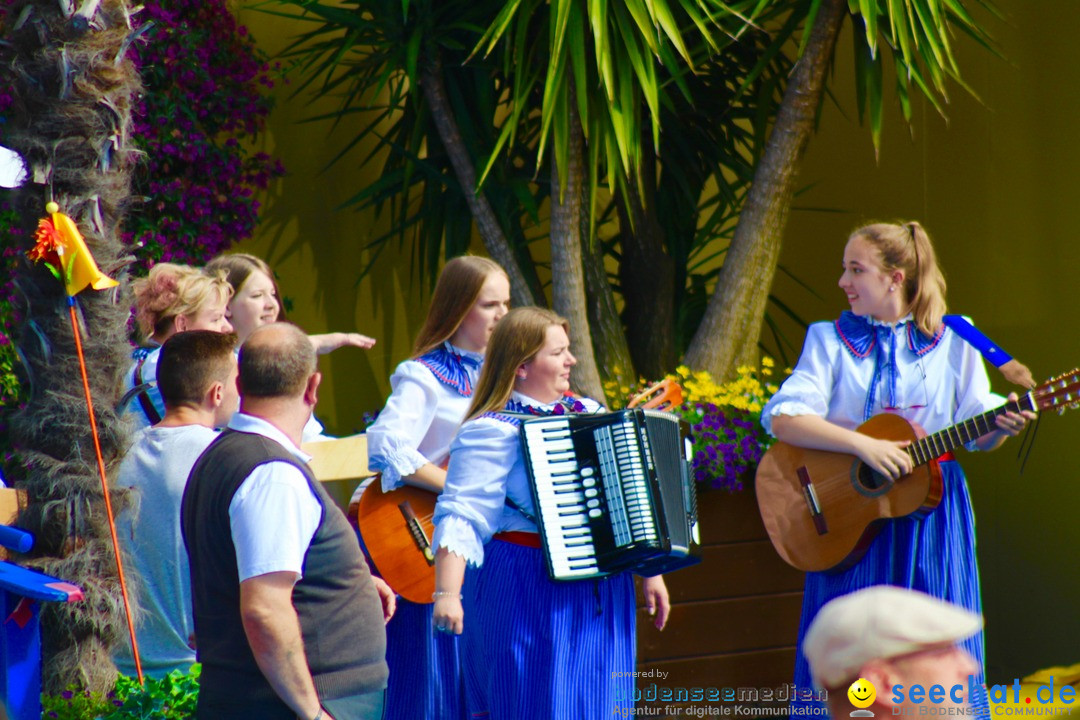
pixel 869 13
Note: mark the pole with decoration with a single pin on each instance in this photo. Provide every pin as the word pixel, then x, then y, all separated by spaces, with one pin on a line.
pixel 60 247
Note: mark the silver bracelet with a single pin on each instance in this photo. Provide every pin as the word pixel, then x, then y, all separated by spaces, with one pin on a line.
pixel 442 593
pixel 319 716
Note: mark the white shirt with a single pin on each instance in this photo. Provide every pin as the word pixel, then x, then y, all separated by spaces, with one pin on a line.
pixel 156 468
pixel 274 513
pixel 947 385
pixel 486 468
pixel 418 422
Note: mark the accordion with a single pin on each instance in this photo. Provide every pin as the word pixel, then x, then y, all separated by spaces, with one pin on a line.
pixel 612 492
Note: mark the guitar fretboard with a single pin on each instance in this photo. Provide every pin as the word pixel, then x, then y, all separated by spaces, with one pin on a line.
pixel 926 449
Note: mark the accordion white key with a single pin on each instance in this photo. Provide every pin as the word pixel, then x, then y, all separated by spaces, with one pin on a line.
pixel 613 492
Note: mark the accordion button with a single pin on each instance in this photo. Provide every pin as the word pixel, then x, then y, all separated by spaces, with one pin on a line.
pixel 595 513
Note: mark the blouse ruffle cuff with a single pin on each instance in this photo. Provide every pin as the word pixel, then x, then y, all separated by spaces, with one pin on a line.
pixel 792 407
pixel 395 464
pixel 458 536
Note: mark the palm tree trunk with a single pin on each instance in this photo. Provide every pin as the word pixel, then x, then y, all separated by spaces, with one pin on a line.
pixel 70 120
pixel 492 234
pixel 567 272
pixel 610 348
pixel 647 274
pixel 729 331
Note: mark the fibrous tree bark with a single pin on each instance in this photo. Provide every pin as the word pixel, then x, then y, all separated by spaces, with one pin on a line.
pixel 72 86
pixel 567 271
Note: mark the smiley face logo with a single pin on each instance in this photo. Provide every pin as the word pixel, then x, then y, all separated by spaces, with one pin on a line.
pixel 862 693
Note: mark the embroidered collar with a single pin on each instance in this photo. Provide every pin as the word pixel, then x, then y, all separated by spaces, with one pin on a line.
pixel 525 404
pixel 860 335
pixel 865 336
pixel 453 367
pixel 520 404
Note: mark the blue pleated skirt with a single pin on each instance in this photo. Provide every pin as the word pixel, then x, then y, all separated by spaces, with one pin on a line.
pixel 425 667
pixel 934 554
pixel 539 650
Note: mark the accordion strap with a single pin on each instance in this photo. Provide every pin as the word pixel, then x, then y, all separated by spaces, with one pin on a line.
pixel 514 506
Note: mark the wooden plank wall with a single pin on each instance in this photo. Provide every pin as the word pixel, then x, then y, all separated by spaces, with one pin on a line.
pixel 735 616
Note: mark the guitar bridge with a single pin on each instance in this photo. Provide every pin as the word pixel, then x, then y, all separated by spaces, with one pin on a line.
pixel 416 530
pixel 810 495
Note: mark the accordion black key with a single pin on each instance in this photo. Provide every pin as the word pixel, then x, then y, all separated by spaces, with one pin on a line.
pixel 613 492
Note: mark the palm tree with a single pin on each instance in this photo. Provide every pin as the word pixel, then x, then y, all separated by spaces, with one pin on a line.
pixel 587 118
pixel 917 33
pixel 72 88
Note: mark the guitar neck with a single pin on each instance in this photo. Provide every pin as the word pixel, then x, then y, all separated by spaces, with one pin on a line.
pixel 932 446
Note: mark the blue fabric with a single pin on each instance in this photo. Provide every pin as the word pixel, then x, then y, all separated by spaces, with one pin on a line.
pixel 935 555
pixel 148 374
pixel 540 650
pixel 425 668
pixel 450 368
pixel 962 327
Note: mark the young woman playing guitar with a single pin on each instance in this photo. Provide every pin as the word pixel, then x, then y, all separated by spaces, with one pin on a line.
pixel 892 353
pixel 409 444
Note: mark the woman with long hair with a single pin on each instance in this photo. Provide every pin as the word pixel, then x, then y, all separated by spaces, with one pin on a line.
pixel 534 648
pixel 409 444
pixel 170 299
pixel 892 353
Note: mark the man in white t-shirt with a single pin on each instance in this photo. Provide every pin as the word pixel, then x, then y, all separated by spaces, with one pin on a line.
pixel 198 384
pixel 290 621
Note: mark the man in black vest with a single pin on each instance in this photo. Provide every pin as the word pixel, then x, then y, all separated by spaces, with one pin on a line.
pixel 290 624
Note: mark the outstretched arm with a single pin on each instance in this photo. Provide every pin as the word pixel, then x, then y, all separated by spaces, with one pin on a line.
pixel 328 342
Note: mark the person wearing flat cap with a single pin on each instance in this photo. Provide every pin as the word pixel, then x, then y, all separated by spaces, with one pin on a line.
pixel 895 639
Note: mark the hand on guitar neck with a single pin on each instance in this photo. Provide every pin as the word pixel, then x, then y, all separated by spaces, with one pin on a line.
pixel 1008 425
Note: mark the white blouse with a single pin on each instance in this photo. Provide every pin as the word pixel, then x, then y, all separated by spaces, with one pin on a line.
pixel 418 422
pixel 946 385
pixel 486 469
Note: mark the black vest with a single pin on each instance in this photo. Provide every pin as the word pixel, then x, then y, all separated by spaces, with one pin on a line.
pixel 339 609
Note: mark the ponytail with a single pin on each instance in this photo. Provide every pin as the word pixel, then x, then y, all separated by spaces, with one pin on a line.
pixel 926 290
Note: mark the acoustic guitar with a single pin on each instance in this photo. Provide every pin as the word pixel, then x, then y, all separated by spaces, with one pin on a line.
pixel 395 530
pixel 822 509
pixel 396 527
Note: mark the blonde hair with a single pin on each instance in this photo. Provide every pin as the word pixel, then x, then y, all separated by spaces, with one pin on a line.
pixel 238 268
pixel 516 340
pixel 169 291
pixel 907 247
pixel 455 292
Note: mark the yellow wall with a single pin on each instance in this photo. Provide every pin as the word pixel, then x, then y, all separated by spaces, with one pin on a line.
pixel 994 187
pixel 318 251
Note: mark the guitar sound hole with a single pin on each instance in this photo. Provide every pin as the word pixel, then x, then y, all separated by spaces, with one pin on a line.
pixel 868 481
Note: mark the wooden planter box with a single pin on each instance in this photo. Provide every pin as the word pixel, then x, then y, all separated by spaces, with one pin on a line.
pixel 735 616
